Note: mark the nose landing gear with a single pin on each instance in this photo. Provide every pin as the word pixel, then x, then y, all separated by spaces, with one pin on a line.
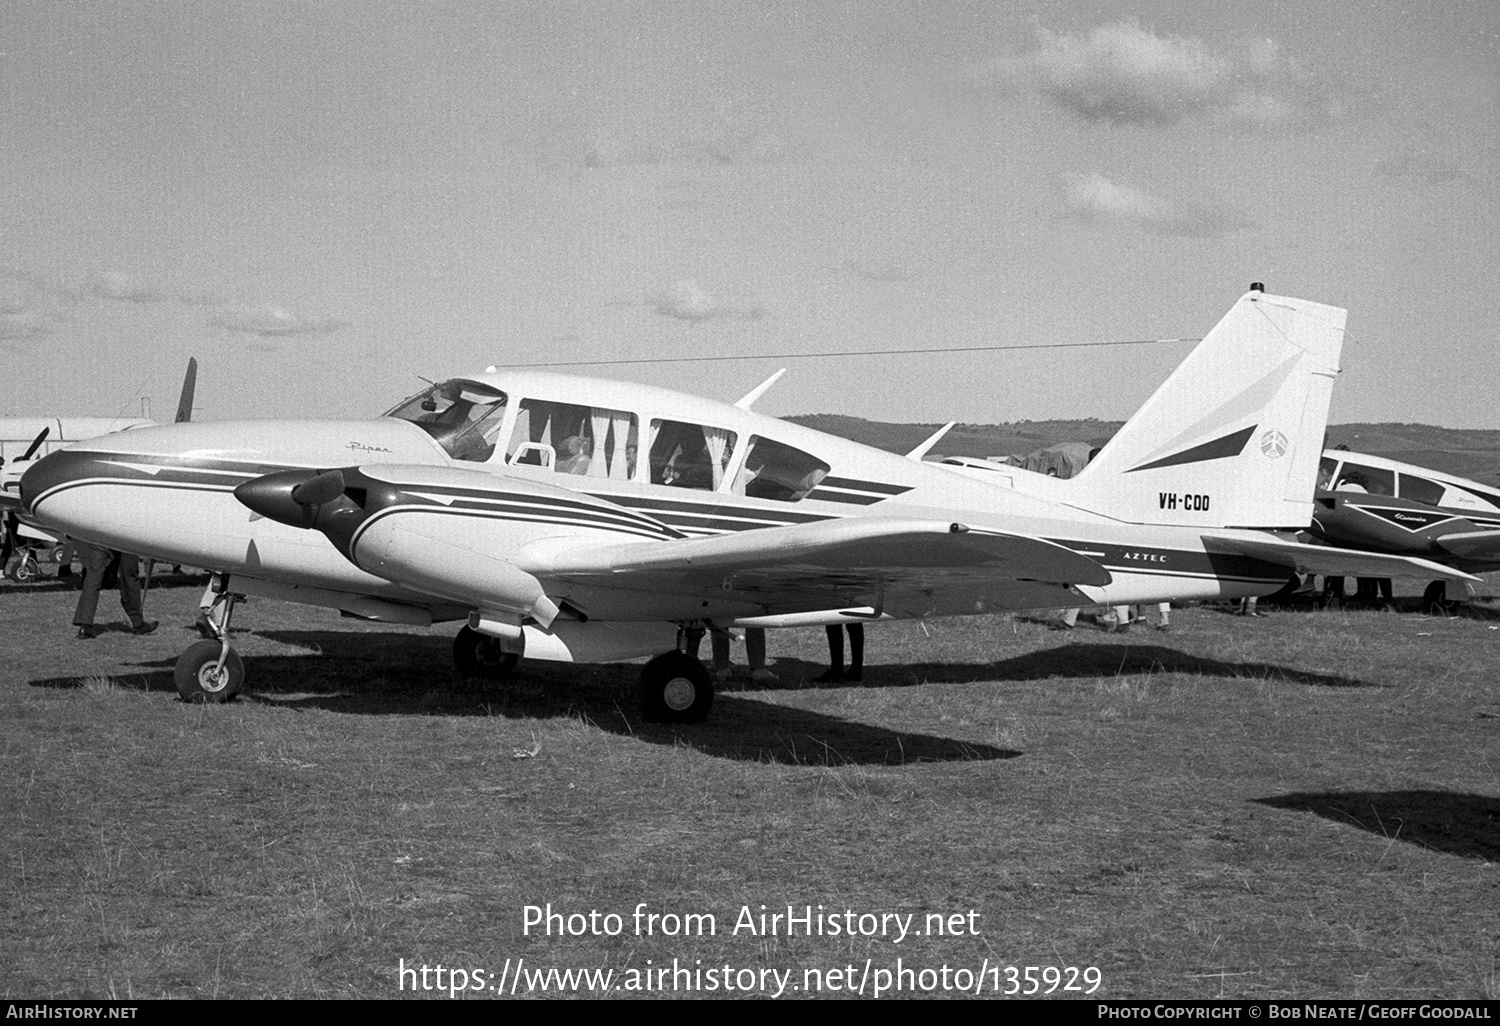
pixel 210 671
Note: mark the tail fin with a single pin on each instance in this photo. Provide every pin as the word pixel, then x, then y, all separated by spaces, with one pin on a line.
pixel 1233 437
pixel 189 386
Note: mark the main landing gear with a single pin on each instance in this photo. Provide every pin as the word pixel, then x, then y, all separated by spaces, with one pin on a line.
pixel 210 671
pixel 675 687
pixel 1435 599
pixel 483 657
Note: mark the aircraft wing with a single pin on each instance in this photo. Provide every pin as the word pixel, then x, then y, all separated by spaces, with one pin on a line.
pixel 1327 559
pixel 1478 545
pixel 834 563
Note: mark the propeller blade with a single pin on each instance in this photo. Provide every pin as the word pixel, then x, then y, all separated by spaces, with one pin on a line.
pixel 36 443
pixel 326 487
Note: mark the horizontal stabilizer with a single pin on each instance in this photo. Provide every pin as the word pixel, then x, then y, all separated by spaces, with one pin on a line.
pixel 1326 559
pixel 1472 544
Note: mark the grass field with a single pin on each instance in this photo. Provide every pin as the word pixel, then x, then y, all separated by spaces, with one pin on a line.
pixel 1305 804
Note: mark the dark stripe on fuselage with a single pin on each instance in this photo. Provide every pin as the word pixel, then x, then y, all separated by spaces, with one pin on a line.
pixel 480 514
pixel 854 484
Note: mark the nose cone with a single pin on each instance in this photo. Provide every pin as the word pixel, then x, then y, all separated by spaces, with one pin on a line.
pixel 54 474
pixel 276 496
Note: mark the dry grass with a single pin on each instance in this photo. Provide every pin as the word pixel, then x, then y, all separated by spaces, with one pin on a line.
pixel 1301 805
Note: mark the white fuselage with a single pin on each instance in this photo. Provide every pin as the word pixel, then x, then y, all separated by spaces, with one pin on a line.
pixel 168 492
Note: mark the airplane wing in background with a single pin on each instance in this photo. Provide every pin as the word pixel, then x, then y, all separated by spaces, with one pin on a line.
pixel 878 562
pixel 1476 545
pixel 1327 559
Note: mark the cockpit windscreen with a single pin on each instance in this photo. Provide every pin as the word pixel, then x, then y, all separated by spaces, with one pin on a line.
pixel 464 417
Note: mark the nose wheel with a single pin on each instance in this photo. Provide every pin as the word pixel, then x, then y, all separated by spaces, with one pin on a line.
pixel 210 671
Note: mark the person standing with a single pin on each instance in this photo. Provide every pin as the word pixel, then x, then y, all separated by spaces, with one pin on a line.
pixel 755 655
pixel 96 563
pixel 836 671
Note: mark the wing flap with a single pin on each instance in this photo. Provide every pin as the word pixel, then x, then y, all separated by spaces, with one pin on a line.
pixel 1328 559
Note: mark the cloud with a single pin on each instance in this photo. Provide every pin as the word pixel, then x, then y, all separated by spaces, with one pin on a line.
pixel 687 301
pixel 1422 169
pixel 20 323
pixel 1122 73
pixel 1094 199
pixel 270 321
pixel 123 286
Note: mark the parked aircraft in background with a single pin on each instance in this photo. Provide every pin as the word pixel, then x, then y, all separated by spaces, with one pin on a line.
pixel 1381 505
pixel 26 439
pixel 571 518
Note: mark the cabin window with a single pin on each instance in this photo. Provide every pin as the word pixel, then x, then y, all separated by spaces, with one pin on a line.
pixel 1421 490
pixel 1355 477
pixel 585 441
pixel 689 455
pixel 1327 468
pixel 464 417
pixel 776 471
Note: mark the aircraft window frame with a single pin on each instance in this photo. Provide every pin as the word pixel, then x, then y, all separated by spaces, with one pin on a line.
pixel 1432 492
pixel 1331 465
pixel 783 473
pixel 1371 480
pixel 464 417
pixel 674 456
pixel 564 437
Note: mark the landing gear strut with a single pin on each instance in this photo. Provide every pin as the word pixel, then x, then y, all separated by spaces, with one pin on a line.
pixel 479 655
pixel 210 671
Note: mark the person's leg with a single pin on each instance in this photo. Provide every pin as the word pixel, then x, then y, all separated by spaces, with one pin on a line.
pixel 130 589
pixel 856 669
pixel 94 561
pixel 755 655
pixel 835 671
pixel 719 640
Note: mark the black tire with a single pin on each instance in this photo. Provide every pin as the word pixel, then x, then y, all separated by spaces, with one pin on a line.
pixel 479 655
pixel 195 677
pixel 675 688
pixel 1435 599
pixel 22 568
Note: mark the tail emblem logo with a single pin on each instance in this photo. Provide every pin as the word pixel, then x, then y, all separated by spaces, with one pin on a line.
pixel 1273 445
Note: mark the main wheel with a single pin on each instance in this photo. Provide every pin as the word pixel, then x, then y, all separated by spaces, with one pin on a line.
pixel 675 688
pixel 199 678
pixel 479 655
pixel 1435 599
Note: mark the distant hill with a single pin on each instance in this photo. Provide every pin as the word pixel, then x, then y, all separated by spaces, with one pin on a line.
pixel 1474 454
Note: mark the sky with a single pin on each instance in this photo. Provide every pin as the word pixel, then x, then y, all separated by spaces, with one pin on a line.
pixel 325 203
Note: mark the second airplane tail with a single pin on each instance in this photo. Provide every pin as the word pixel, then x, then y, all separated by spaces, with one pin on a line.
pixel 1232 438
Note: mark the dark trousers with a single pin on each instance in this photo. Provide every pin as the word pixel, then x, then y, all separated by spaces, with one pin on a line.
pixel 856 646
pixel 96 563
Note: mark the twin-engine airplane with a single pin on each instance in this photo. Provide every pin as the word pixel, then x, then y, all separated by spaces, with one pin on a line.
pixel 1382 505
pixel 570 518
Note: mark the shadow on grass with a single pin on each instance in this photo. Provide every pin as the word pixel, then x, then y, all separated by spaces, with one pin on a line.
pixel 1308 604
pixel 1458 824
pixel 1080 660
pixel 389 674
